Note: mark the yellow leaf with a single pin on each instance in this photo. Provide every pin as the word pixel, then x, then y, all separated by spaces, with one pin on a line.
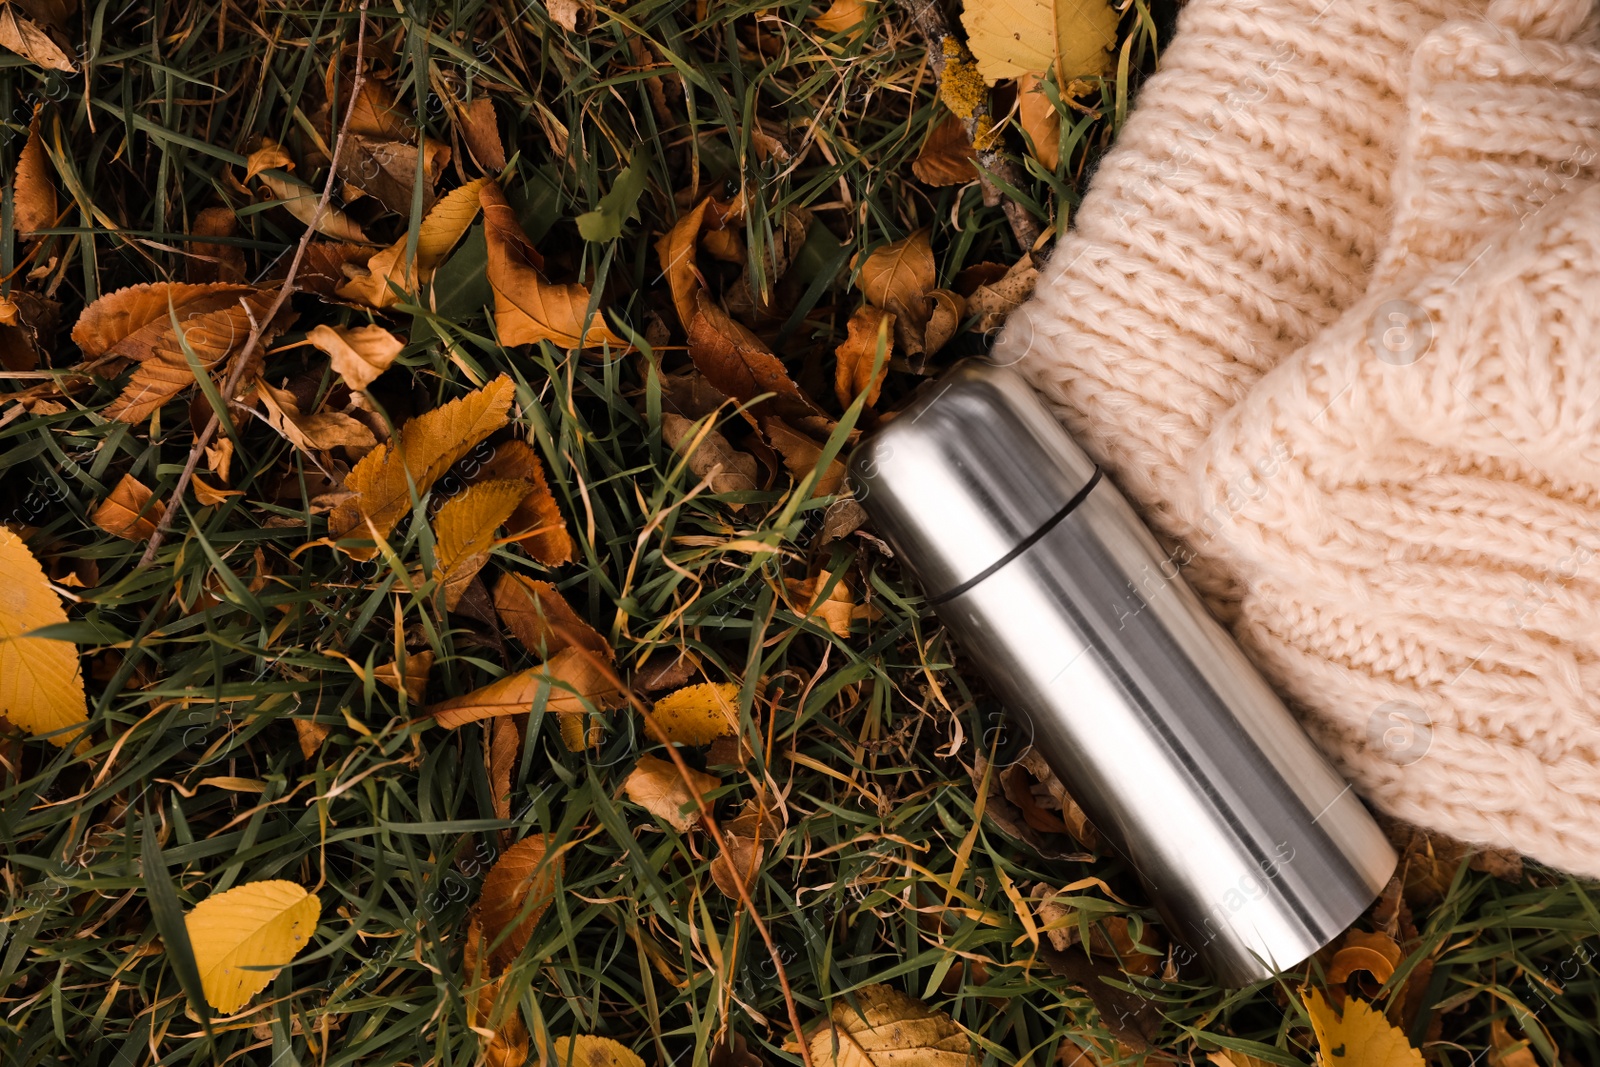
pixel 516 893
pixel 891 1029
pixel 537 526
pixel 463 532
pixel 259 925
pixel 270 156
pixel 299 199
pixel 1236 1059
pixel 30 42
pixel 844 16
pixel 675 250
pixel 699 714
pixel 587 1051
pixel 127 513
pixel 408 676
pixel 657 787
pixel 1361 1037
pixel 441 228
pixel 528 309
pixel 41 685
pixel 33 193
pixel 859 367
pixel 311 433
pixel 541 619
pixel 1039 119
pixel 310 734
pixel 898 275
pixel 571 681
pixel 1010 38
pixel 358 355
pixel 428 445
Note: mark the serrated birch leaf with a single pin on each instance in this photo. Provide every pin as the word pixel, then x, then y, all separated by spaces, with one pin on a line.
pixel 588 1051
pixel 258 925
pixel 464 529
pixel 41 683
pixel 537 526
pixel 890 1029
pixel 1010 38
pixel 32 190
pixel 541 620
pixel 1360 1037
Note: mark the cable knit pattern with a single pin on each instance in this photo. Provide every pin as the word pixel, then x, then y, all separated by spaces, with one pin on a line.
pixel 1344 349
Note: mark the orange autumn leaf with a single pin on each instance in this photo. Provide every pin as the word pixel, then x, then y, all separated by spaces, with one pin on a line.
pixel 516 893
pixel 129 512
pixel 1039 120
pixel 541 619
pixel 676 252
pixel 657 787
pixel 527 308
pixel 736 361
pixel 464 533
pixel 33 193
pixel 537 525
pixel 408 675
pixel 571 686
pixel 947 155
pixel 358 354
pixel 390 275
pixel 860 367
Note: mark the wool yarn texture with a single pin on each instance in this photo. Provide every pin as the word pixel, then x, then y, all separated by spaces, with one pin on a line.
pixel 1330 314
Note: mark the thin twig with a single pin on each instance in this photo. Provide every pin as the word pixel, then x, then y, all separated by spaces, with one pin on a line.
pixel 241 362
pixel 973 110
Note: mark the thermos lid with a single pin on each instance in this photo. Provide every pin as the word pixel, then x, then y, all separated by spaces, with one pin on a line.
pixel 966 474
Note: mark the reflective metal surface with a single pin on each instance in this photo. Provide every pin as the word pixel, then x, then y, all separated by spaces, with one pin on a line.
pixel 1253 848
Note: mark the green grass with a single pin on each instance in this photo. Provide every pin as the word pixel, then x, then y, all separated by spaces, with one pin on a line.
pixel 198 666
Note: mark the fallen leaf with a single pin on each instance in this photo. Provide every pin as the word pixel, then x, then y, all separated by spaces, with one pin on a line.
pixel 386 169
pixel 863 358
pixel 41 682
pixel 480 129
pixel 358 354
pixel 389 270
pixel 1375 953
pixel 898 275
pixel 528 309
pixel 1039 120
pixel 843 16
pixel 427 447
pixel 212 262
pixel 244 936
pixel 993 301
pixel 209 494
pixel 505 743
pixel 1010 38
pixel 710 456
pixel 657 787
pixel 127 513
pixel 537 525
pixel 1508 1051
pixel 516 893
pixel 698 714
pixel 947 155
pixel 33 193
pixel 464 529
pixel 1361 1037
pixel 564 13
pixel 890 1029
pixel 507 1039
pixel 298 198
pixel 310 734
pixel 836 610
pixel 541 619
pixel 573 685
pixel 737 362
pixel 800 455
pixel 21 36
pixel 1236 1059
pixel 948 307
pixel 586 1051
pixel 746 837
pixel 311 433
pixel 675 250
pixel 408 675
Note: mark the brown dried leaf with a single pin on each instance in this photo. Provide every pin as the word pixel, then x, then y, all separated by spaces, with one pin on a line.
pixel 389 270
pixel 890 1029
pixel 311 433
pixel 528 309
pixel 698 714
pixel 737 362
pixel 480 129
pixel 898 275
pixel 572 683
pixel 541 619
pixel 1509 1051
pixel 945 320
pixel 836 610
pixel 386 169
pixel 800 455
pixel 119 315
pixel 657 787
pixel 310 734
pixel 843 16
pixel 33 191
pixel 1039 119
pixel 408 675
pixel 746 838
pixel 358 354
pixel 299 199
pixel 211 262
pixel 505 742
pixel 675 249
pixel 428 446
pixel 21 36
pixel 537 526
pixel 871 330
pixel 994 301
pixel 710 456
pixel 947 155
pixel 516 894
pixel 464 529
pixel 127 512
pixel 564 13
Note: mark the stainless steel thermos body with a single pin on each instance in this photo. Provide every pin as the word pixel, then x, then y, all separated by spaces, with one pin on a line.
pixel 1254 850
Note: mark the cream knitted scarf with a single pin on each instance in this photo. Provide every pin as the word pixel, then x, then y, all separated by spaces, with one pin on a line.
pixel 1330 313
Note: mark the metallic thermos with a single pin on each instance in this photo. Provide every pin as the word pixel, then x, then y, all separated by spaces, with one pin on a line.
pixel 1254 850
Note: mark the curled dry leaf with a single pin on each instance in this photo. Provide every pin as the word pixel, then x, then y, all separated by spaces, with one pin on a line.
pixel 1360 1037
pixel 587 1051
pixel 569 682
pixel 1376 953
pixel 541 619
pixel 310 734
pixel 836 610
pixel 358 354
pixel 41 683
pixel 298 198
pixel 390 275
pixel 675 250
pixel 1010 38
pixel 537 525
pixel 386 169
pixel 25 320
pixel 516 893
pixel 746 837
pixel 27 40
pixel 863 358
pixel 244 936
pixel 800 455
pixel 1109 936
pixel 408 675
pixel 128 512
pixel 887 1028
pixel 311 433
pixel 947 155
pixel 428 445
pixel 1039 120
pixel 993 301
pixel 945 319
pixel 528 309
pixel 464 530
pixel 33 192
pixel 710 456
pixel 698 714
pixel 657 787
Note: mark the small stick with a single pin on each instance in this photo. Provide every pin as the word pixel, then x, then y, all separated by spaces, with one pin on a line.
pixel 963 92
pixel 253 341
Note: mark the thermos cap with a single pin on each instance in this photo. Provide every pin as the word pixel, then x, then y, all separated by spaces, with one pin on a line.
pixel 967 473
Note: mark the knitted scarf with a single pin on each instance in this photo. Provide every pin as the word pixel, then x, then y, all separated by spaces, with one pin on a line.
pixel 1330 314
